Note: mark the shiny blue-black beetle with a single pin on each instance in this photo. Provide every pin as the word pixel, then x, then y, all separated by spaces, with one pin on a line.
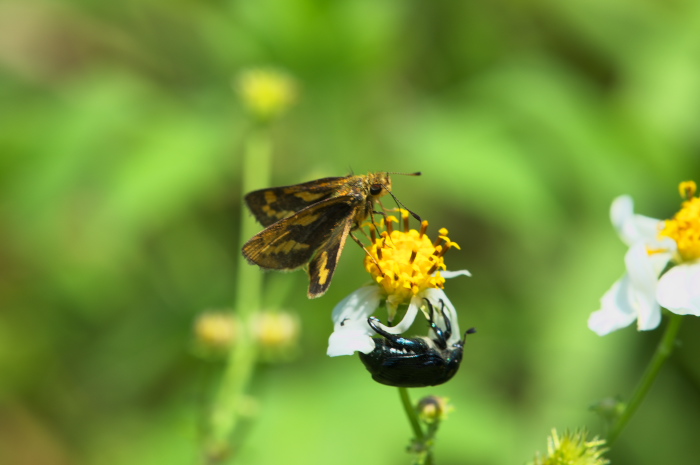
pixel 414 362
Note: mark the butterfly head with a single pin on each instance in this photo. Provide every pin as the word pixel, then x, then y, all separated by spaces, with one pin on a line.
pixel 379 184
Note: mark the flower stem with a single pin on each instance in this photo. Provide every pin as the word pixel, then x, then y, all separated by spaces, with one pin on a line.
pixel 411 414
pixel 663 351
pixel 422 443
pixel 243 355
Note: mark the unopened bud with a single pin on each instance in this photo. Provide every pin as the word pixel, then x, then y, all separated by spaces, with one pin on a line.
pixel 432 409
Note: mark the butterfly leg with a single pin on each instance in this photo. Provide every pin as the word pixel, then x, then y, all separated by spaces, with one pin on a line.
pixel 367 252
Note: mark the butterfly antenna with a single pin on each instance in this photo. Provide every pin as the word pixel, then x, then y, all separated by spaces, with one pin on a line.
pixel 413 214
pixel 417 173
pixel 398 202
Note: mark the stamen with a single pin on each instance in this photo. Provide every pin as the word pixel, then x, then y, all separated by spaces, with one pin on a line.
pixel 423 228
pixel 435 266
pixel 443 250
pixel 407 258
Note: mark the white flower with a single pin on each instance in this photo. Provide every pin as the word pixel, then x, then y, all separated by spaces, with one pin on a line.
pixel 407 268
pixel 653 245
pixel 352 333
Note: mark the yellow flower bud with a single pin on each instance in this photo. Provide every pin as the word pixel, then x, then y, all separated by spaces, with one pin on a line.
pixel 277 334
pixel 216 331
pixel 266 93
pixel 432 409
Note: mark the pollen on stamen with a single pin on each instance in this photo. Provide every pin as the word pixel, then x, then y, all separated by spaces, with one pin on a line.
pixel 423 228
pixel 687 189
pixel 449 243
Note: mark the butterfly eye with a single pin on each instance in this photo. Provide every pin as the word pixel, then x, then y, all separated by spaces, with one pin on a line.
pixel 375 189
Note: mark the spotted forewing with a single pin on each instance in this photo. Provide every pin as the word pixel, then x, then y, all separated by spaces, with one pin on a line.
pixel 309 223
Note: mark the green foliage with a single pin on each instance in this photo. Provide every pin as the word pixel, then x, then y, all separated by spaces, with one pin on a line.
pixel 120 142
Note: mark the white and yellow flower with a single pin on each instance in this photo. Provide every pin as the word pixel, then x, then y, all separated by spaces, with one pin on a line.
pixel 649 283
pixel 406 268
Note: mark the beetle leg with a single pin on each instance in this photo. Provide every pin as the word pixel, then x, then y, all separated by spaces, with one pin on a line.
pixel 372 321
pixel 414 346
pixel 440 337
pixel 448 325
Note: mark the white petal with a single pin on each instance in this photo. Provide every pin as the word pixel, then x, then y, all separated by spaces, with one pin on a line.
pixel 621 213
pixel 660 259
pixel 350 331
pixel 616 311
pixel 643 272
pixel 407 320
pixel 679 289
pixel 632 228
pixel 647 228
pixel 358 305
pixel 349 340
pixel 453 274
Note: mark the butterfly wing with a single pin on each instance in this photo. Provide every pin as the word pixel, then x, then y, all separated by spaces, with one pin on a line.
pixel 292 242
pixel 322 266
pixel 277 203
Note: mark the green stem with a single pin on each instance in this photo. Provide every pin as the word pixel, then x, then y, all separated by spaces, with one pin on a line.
pixel 425 454
pixel 663 351
pixel 243 356
pixel 411 414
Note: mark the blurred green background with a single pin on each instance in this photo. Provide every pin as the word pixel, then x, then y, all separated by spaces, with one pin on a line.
pixel 120 147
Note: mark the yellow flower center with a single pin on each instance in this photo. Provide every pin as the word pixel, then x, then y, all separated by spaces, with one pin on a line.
pixel 684 228
pixel 407 262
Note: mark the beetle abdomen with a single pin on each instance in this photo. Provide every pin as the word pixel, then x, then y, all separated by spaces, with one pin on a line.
pixel 401 367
